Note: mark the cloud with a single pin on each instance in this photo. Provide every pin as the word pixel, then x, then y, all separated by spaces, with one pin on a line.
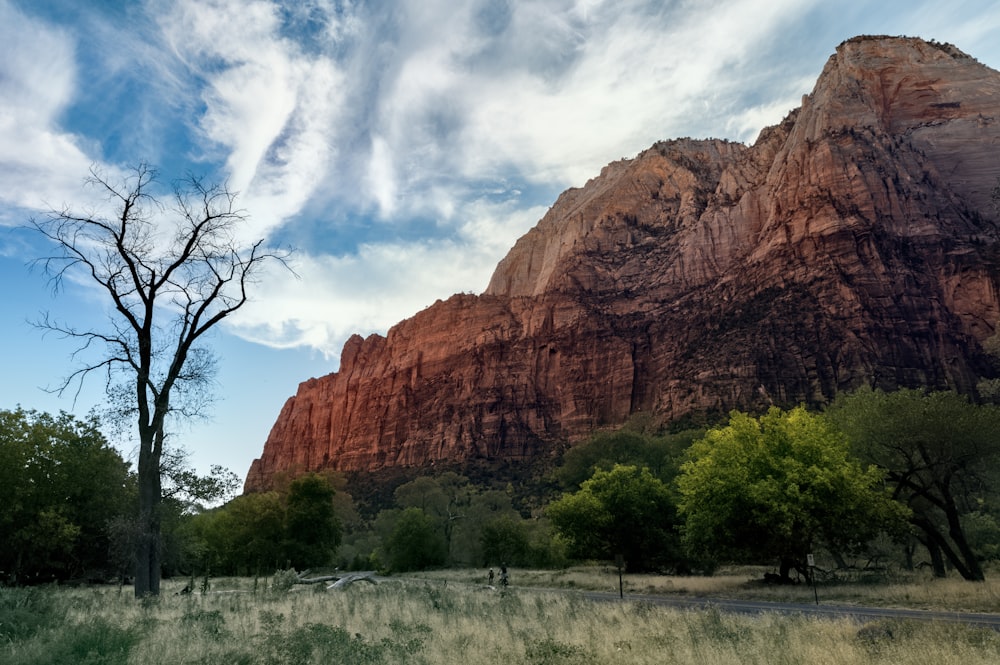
pixel 270 107
pixel 535 92
pixel 332 297
pixel 39 163
pixel 382 176
pixel 378 104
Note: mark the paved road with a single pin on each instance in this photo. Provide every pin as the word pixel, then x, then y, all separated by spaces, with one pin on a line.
pixel 823 609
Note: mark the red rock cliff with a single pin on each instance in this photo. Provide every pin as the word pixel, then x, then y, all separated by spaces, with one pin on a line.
pixel 856 242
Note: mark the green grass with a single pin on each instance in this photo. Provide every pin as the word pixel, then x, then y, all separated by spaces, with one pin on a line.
pixel 443 621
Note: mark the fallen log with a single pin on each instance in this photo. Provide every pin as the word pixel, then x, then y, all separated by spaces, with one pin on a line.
pixel 351 578
pixel 317 580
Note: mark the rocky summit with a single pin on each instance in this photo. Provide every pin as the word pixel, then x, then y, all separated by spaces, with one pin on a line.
pixel 854 243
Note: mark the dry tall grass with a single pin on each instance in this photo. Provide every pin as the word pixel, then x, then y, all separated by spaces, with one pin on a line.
pixel 908 590
pixel 434 622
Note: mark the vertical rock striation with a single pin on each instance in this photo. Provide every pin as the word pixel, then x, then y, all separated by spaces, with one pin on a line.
pixel 856 242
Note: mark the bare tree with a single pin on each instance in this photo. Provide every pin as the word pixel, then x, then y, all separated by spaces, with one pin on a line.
pixel 171 272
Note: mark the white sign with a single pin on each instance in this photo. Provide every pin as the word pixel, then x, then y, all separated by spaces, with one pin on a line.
pixel 810 560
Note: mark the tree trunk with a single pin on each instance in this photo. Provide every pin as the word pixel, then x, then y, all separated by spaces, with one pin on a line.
pixel 147 554
pixel 972 570
pixel 941 550
pixel 964 560
pixel 937 561
pixel 908 552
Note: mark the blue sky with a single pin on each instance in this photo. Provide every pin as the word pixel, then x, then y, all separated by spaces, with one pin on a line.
pixel 400 147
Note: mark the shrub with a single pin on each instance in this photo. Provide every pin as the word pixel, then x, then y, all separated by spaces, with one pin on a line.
pixel 284 580
pixel 23 612
pixel 96 641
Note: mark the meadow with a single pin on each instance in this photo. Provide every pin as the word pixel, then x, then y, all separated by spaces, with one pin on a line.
pixel 899 589
pixel 451 617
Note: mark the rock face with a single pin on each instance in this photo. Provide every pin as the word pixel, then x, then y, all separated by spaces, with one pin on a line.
pixel 854 243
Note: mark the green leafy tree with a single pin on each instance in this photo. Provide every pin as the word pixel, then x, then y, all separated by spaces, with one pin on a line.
pixel 659 454
pixel 170 274
pixel 484 527
pixel 61 483
pixel 624 510
pixel 939 453
pixel 262 532
pixel 246 536
pixel 191 491
pixel 525 543
pixel 445 498
pixel 424 493
pixel 505 542
pixel 777 486
pixel 485 508
pixel 185 493
pixel 415 542
pixel 312 530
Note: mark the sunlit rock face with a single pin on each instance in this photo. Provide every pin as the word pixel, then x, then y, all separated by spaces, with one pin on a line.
pixel 854 243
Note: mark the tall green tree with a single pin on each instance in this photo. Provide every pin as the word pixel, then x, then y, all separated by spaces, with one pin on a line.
pixel 624 510
pixel 939 453
pixel 504 541
pixel 415 542
pixel 170 273
pixel 487 509
pixel 312 530
pixel 61 483
pixel 777 486
pixel 445 498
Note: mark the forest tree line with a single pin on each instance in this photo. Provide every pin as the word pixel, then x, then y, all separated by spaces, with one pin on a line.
pixel 903 478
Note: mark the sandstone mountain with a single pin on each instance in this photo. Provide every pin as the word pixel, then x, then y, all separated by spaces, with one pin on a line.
pixel 854 243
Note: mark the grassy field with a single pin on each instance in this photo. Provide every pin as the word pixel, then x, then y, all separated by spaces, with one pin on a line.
pixel 442 621
pixel 909 590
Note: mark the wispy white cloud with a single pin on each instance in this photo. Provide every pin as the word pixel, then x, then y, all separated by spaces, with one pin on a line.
pixel 530 93
pixel 270 107
pixel 381 181
pixel 331 297
pixel 37 82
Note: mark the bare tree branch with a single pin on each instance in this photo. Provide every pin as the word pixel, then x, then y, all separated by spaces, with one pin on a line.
pixel 171 274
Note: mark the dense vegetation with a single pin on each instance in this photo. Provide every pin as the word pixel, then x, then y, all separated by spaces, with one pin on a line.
pixel 777 488
pixel 260 533
pixel 876 479
pixel 61 483
pixel 940 455
pixel 626 512
pixel 67 501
